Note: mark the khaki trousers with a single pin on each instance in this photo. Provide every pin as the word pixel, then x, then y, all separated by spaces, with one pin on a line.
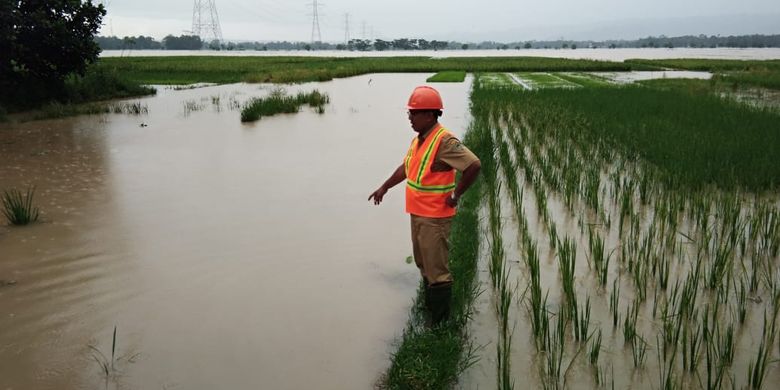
pixel 430 244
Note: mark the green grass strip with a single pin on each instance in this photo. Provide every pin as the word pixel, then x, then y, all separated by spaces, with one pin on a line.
pixel 448 76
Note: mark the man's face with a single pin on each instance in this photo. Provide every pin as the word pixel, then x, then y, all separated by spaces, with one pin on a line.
pixel 421 120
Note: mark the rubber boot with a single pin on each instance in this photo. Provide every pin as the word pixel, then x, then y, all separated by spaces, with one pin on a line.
pixel 439 297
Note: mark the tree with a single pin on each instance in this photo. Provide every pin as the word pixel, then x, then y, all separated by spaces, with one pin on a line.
pixel 42 43
pixel 184 42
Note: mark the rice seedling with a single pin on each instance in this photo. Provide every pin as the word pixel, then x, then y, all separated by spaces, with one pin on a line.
pixel 567 254
pixel 598 256
pixel 106 364
pixel 691 344
pixel 581 320
pixel 666 368
pixel 18 207
pixel 629 323
pixel 757 368
pixel 614 301
pixel 638 350
pixel 595 349
pixel 554 356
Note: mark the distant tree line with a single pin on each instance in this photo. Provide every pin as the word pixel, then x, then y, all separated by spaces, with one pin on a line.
pixel 192 42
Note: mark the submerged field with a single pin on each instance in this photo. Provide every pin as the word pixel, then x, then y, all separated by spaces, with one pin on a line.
pixel 632 240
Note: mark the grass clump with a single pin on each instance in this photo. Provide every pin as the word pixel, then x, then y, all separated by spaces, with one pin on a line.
pixel 448 76
pixel 279 102
pixel 18 207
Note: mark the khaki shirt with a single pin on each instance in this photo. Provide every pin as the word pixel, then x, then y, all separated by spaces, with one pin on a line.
pixel 451 154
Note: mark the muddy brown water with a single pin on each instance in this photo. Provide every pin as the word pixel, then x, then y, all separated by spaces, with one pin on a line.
pixel 227 255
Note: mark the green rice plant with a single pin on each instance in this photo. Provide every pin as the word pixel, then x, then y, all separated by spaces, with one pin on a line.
pixel 450 76
pixel 18 207
pixel 663 271
pixel 581 321
pixel 629 322
pixel 567 254
pixel 554 355
pixel 757 368
pixel 598 256
pixel 691 343
pixel 666 368
pixel 614 300
pixel 106 364
pixel 552 232
pixel 638 350
pixel 595 349
pixel 639 274
pixel 741 302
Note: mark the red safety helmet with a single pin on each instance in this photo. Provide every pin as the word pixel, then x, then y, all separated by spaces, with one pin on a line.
pixel 425 98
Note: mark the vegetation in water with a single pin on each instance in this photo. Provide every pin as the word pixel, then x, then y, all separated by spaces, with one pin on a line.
pixel 731 73
pixel 278 102
pixel 18 207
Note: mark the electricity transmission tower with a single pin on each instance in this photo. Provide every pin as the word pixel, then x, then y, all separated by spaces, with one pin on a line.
pixel 315 23
pixel 346 28
pixel 205 21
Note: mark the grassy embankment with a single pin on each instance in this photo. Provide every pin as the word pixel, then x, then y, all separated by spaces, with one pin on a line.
pixel 695 265
pixel 728 73
pixel 87 95
pixel 448 76
pixel 185 70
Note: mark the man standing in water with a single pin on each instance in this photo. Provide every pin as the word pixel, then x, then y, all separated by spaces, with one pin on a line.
pixel 432 194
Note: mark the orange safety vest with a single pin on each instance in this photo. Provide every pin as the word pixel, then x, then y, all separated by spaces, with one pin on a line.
pixel 426 191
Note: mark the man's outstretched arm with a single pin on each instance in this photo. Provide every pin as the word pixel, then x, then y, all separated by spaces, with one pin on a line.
pixel 398 176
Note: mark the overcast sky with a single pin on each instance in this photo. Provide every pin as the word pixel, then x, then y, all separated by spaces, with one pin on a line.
pixel 500 20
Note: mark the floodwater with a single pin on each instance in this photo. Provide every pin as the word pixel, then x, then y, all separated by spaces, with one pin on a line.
pixel 593 54
pixel 630 77
pixel 226 255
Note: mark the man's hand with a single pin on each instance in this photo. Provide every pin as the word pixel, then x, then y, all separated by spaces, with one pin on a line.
pixel 378 195
pixel 452 201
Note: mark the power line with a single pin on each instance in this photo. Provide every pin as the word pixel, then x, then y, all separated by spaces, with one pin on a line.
pixel 346 28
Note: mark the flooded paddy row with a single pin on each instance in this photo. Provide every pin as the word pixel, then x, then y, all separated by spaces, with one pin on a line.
pixel 227 255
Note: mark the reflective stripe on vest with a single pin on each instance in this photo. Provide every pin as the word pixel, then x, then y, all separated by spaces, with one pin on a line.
pixel 427 191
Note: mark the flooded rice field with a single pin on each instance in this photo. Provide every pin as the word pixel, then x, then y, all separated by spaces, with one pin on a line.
pixel 596 274
pixel 225 255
